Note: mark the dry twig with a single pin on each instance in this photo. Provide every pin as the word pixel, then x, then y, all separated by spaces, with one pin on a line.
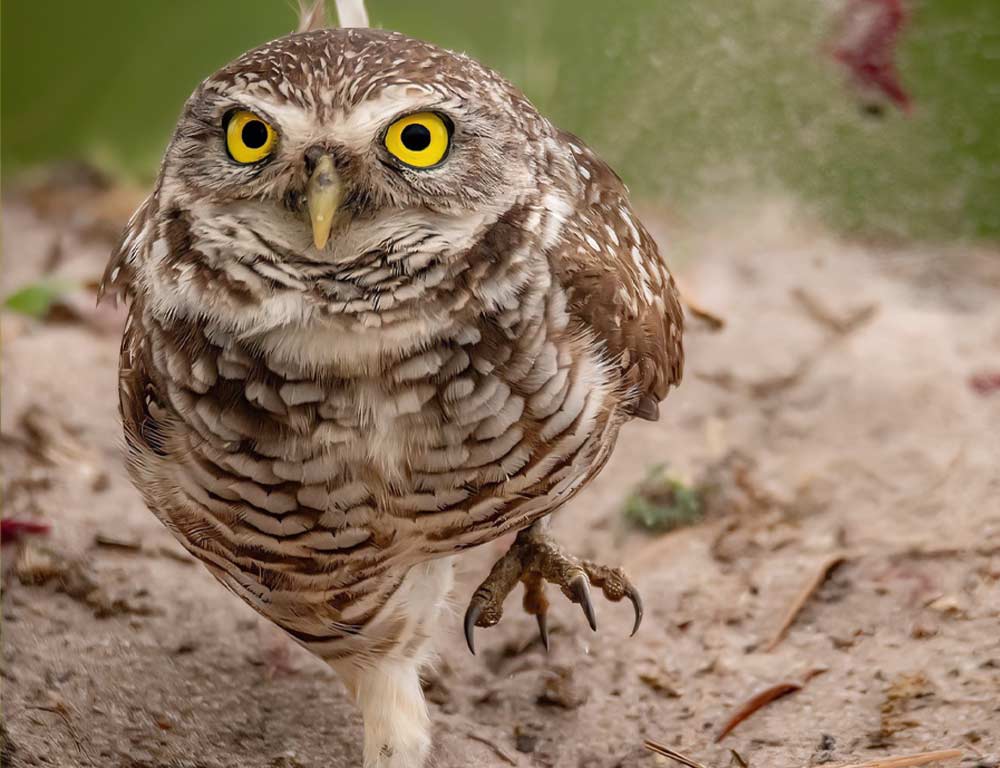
pixel 60 710
pixel 111 541
pixel 907 761
pixel 840 327
pixel 824 316
pixel 352 13
pixel 660 749
pixel 916 553
pixel 899 761
pixel 500 751
pixel 765 387
pixel 737 759
pixel 181 556
pixel 828 566
pixel 312 17
pixel 709 318
pixel 713 321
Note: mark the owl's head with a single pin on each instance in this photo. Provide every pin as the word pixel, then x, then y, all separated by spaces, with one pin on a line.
pixel 348 189
pixel 324 130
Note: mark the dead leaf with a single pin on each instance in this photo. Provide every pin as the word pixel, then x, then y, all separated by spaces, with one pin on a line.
pixel 760 700
pixel 949 605
pixel 895 710
pixel 659 681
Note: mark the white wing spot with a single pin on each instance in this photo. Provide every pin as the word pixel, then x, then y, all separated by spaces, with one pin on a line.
pixel 637 260
pixel 633 230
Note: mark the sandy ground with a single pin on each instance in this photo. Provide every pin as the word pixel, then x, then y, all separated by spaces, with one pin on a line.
pixel 833 415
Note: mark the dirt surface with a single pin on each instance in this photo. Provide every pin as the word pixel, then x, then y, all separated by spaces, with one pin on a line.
pixel 834 414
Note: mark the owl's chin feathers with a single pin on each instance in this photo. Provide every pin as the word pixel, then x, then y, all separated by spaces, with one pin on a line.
pixel 382 288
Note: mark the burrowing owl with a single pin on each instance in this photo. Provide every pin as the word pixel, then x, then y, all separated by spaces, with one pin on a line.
pixel 382 311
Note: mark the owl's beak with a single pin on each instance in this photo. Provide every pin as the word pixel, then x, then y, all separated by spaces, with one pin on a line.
pixel 324 192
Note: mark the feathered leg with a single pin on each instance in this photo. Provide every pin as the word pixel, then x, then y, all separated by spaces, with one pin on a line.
pixel 386 684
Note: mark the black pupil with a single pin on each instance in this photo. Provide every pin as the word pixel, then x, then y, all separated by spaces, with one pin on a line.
pixel 254 134
pixel 415 137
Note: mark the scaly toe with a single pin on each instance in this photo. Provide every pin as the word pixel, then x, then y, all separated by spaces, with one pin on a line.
pixel 535 559
pixel 486 606
pixel 536 604
pixel 615 585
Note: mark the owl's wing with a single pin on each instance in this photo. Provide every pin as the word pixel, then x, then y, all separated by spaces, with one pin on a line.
pixel 118 274
pixel 138 398
pixel 618 286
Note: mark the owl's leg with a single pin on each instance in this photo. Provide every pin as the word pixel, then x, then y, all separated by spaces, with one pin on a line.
pixel 534 559
pixel 397 726
pixel 387 686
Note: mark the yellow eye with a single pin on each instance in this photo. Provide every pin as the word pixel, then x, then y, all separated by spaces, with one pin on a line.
pixel 249 138
pixel 419 140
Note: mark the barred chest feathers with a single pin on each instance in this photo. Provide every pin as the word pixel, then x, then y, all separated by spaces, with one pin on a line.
pixel 450 399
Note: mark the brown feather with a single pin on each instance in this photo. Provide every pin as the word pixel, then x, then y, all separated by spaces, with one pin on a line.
pixel 619 286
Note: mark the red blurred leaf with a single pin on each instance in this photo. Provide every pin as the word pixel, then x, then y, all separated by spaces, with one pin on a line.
pixel 985 382
pixel 865 42
pixel 12 530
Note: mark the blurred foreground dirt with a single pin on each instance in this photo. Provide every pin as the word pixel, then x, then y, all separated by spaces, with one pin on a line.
pixel 836 414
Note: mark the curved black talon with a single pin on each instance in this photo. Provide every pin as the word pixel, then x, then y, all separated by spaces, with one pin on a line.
pixel 471 617
pixel 580 587
pixel 543 629
pixel 636 600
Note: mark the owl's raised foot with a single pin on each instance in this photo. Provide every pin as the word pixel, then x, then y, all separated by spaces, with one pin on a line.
pixel 534 559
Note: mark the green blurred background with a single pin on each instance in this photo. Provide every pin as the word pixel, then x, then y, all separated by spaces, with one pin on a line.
pixel 693 101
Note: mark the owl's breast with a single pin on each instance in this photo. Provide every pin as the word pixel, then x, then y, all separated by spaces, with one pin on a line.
pixel 267 465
